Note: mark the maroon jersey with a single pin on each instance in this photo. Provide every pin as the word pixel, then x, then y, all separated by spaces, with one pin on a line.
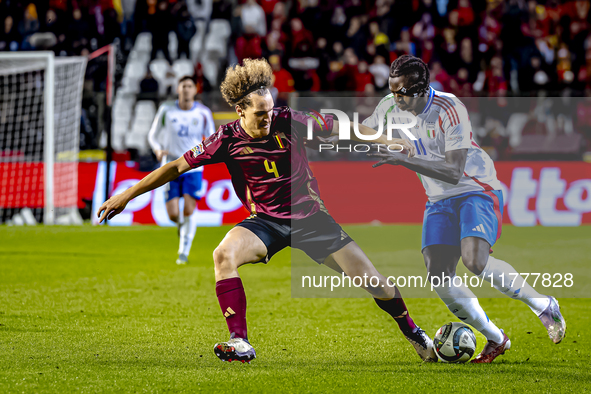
pixel 271 175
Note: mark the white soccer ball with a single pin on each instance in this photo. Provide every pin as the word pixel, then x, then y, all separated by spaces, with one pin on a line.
pixel 454 343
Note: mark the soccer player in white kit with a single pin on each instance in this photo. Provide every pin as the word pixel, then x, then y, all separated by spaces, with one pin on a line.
pixel 176 129
pixel 463 216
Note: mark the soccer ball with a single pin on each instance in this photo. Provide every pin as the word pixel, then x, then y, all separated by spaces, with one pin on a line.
pixel 454 343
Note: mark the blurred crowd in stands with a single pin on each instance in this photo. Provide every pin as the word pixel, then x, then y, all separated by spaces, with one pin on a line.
pixel 488 48
pixel 472 46
pixel 66 27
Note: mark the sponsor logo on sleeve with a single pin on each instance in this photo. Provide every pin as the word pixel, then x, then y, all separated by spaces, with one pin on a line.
pixel 197 150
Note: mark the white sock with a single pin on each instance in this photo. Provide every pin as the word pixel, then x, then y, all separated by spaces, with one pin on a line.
pixel 187 233
pixel 463 303
pixel 182 226
pixel 181 220
pixel 504 279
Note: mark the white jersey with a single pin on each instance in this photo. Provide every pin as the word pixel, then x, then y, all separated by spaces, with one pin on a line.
pixel 177 130
pixel 443 126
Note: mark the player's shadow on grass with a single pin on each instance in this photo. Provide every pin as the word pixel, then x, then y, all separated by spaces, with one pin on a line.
pixel 387 365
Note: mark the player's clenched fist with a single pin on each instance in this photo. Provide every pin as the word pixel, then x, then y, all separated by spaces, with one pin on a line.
pixel 113 206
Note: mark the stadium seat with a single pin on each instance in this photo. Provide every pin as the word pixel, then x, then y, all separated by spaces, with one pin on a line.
pixel 183 67
pixel 122 110
pixel 196 43
pixel 215 48
pixel 121 120
pixel 146 105
pixel 145 110
pixel 124 100
pixel 135 69
pixel 129 85
pixel 515 125
pixel 133 73
pixel 216 40
pixel 137 137
pixel 121 123
pixel 122 113
pixel 143 42
pixel 195 47
pixel 141 126
pixel 118 134
pixel 160 68
pixel 210 69
pixel 200 9
pixel 139 56
pixel 220 28
pixel 173 45
pixel 137 141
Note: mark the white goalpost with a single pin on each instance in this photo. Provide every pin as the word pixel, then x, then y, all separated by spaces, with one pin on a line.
pixel 40 111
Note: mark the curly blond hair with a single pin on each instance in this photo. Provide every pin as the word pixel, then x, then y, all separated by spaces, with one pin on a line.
pixel 254 76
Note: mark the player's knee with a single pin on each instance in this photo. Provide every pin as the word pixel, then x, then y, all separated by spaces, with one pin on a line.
pixel 439 270
pixel 189 207
pixel 223 257
pixel 473 263
pixel 219 255
pixel 174 217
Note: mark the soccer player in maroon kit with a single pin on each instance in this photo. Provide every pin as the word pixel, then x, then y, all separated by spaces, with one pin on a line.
pixel 265 155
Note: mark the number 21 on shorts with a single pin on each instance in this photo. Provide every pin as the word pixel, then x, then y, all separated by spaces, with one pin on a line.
pixel 271 168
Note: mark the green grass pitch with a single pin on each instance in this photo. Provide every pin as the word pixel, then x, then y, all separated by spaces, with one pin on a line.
pixel 87 309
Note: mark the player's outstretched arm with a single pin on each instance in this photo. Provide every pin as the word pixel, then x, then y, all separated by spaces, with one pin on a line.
pixel 116 204
pixel 450 171
pixel 408 147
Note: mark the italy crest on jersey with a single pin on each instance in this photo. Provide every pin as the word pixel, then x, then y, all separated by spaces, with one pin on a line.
pixel 431 130
pixel 197 150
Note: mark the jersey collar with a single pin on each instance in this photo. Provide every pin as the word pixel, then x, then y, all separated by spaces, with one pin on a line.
pixel 192 108
pixel 429 100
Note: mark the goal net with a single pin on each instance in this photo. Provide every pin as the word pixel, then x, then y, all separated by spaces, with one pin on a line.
pixel 40 111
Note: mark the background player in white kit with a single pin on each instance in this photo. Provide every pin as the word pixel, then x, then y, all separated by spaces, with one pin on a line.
pixel 463 216
pixel 176 129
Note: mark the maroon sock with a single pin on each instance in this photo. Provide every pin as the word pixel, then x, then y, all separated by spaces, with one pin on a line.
pixel 233 303
pixel 397 309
